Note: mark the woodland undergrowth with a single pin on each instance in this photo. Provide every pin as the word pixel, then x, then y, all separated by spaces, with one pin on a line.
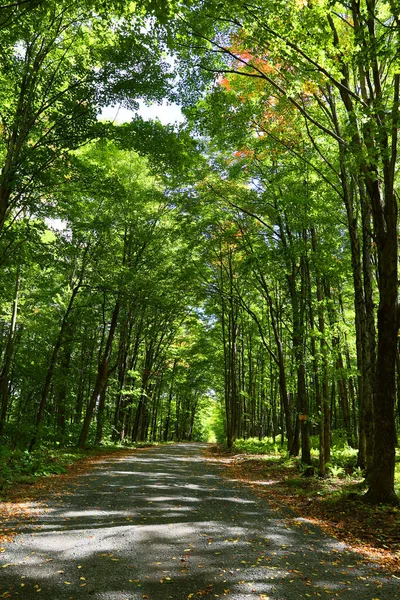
pixel 22 468
pixel 334 503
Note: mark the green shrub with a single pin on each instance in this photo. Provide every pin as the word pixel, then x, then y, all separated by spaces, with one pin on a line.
pixel 335 471
pixel 21 466
pixel 344 456
pixel 256 446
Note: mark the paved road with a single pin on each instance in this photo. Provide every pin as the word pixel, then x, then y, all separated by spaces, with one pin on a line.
pixel 163 524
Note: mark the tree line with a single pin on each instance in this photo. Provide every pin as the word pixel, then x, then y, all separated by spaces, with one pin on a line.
pixel 249 257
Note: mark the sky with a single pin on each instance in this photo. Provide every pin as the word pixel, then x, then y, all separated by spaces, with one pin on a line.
pixel 167 114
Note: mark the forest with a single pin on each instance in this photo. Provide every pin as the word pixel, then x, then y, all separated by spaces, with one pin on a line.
pixel 230 277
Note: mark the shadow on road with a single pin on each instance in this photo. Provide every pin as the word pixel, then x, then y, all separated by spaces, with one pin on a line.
pixel 163 524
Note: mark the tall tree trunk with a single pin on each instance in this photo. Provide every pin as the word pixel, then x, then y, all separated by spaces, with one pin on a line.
pixel 285 402
pixel 298 351
pixel 62 393
pixel 170 395
pixel 100 417
pixel 375 149
pixel 103 374
pixel 343 396
pixel 51 367
pixel 139 425
pixel 381 480
pixel 320 391
pixel 363 342
pixel 123 350
pixel 4 377
pixel 325 407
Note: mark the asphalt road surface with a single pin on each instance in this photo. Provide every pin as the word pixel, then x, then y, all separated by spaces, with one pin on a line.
pixel 164 524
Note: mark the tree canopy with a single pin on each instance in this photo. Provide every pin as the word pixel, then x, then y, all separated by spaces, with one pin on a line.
pixel 234 276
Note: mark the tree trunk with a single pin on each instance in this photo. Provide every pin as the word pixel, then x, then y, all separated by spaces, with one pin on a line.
pixel 4 377
pixel 62 393
pixel 171 388
pixel 381 480
pixel 100 417
pixel 139 426
pixel 102 377
pixel 282 370
pixel 52 365
pixel 364 344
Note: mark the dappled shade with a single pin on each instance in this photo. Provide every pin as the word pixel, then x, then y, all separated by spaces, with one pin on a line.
pixel 163 523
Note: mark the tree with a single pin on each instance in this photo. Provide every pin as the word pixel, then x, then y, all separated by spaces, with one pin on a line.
pixel 344 101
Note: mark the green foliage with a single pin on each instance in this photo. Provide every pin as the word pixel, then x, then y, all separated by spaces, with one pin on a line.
pixel 209 425
pixel 21 466
pixel 335 470
pixel 397 477
pixel 257 446
pixel 222 247
pixel 219 425
pixel 343 457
